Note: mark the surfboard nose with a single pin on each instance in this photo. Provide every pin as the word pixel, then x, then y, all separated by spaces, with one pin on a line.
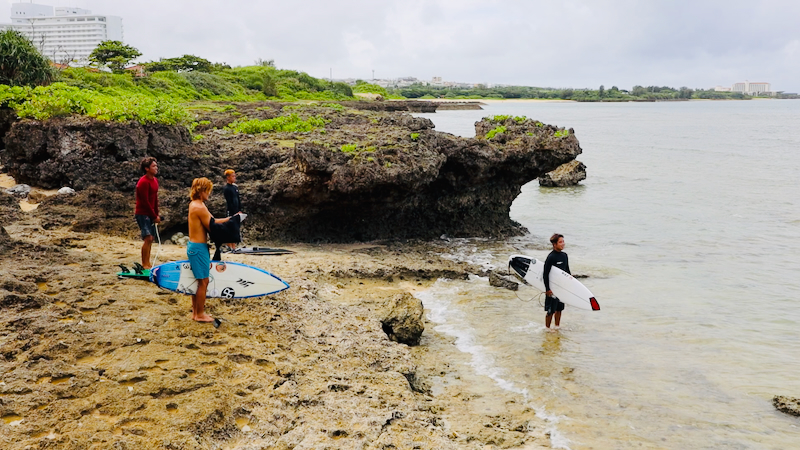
pixel 595 305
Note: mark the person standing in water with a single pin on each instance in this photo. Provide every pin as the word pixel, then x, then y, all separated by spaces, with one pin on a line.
pixel 557 258
pixel 197 248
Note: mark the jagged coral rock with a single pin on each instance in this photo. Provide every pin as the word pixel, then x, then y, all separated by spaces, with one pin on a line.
pixel 568 174
pixel 367 175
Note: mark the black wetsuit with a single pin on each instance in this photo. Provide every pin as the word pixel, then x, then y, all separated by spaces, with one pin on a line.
pixel 554 259
pixel 231 193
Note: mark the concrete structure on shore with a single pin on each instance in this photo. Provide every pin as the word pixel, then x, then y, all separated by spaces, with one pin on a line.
pixel 64 34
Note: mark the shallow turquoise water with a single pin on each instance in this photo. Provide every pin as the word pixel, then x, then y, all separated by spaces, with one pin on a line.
pixel 689 228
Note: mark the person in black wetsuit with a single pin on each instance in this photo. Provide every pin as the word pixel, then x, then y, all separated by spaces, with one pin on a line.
pixel 233 202
pixel 231 193
pixel 557 258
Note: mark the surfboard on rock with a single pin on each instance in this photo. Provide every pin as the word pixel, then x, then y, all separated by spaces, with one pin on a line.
pixel 226 280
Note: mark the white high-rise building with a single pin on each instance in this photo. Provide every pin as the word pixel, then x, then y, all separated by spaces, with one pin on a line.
pixel 64 34
pixel 752 87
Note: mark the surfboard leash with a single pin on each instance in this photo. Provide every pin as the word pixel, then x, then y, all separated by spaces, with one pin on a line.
pixel 535 297
pixel 155 258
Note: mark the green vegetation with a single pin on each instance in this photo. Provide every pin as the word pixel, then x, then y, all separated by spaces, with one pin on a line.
pixel 493 132
pixel 614 94
pixel 59 100
pixel 291 123
pixel 169 88
pixel 349 148
pixel 502 118
pixel 113 54
pixel 185 63
pixel 561 133
pixel 20 63
pixel 362 87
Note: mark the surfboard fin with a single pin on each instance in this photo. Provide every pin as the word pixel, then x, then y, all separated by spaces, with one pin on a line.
pixel 124 268
pixel 138 268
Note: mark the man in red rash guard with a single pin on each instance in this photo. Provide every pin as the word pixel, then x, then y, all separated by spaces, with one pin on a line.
pixel 147 206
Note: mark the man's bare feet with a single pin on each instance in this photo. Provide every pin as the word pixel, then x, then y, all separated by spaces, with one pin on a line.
pixel 205 318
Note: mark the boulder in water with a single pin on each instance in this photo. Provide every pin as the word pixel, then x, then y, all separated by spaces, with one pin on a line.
pixel 787 405
pixel 497 280
pixel 569 174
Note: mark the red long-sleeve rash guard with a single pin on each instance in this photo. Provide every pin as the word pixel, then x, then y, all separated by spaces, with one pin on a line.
pixel 147 197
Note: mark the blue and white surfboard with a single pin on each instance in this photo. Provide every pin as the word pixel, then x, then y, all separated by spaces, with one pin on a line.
pixel 226 279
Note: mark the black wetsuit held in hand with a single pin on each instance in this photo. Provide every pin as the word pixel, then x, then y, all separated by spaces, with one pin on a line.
pixel 554 259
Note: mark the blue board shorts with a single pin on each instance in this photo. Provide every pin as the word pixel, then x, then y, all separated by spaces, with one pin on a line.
pixel 146 225
pixel 199 259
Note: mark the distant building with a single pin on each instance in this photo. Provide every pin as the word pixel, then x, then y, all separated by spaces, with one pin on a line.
pixel 722 89
pixel 64 34
pixel 752 88
pixel 137 70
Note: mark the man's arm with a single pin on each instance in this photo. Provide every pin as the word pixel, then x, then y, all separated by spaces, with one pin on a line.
pixel 155 209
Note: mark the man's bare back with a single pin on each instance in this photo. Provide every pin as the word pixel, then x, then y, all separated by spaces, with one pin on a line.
pixel 199 220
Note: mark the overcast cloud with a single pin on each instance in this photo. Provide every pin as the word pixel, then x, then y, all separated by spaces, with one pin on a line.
pixel 577 43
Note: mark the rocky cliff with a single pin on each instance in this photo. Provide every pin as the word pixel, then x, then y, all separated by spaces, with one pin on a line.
pixel 366 175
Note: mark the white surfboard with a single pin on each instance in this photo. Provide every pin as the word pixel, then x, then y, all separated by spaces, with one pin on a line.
pixel 226 279
pixel 564 286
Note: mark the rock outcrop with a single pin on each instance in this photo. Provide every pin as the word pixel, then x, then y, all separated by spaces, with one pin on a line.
pixel 569 174
pixel 9 208
pixel 787 405
pixel 402 319
pixel 367 175
pixel 498 280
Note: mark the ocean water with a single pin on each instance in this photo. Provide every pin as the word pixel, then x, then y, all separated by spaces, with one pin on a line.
pixel 688 227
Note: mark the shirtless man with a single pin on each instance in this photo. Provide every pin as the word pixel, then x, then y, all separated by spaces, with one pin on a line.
pixel 197 247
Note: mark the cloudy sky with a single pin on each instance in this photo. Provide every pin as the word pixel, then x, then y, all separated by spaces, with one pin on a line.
pixel 571 43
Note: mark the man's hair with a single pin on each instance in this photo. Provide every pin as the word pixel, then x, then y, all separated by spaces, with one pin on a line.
pixel 199 186
pixel 146 162
pixel 229 172
pixel 555 237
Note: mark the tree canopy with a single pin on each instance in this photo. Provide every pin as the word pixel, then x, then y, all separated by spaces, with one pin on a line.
pixel 21 64
pixel 114 54
pixel 185 63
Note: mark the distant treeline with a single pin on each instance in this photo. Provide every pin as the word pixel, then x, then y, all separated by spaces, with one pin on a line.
pixel 638 93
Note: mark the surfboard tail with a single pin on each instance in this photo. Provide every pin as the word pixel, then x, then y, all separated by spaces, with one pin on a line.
pixel 518 265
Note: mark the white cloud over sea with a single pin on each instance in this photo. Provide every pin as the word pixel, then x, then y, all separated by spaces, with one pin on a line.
pixel 571 43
